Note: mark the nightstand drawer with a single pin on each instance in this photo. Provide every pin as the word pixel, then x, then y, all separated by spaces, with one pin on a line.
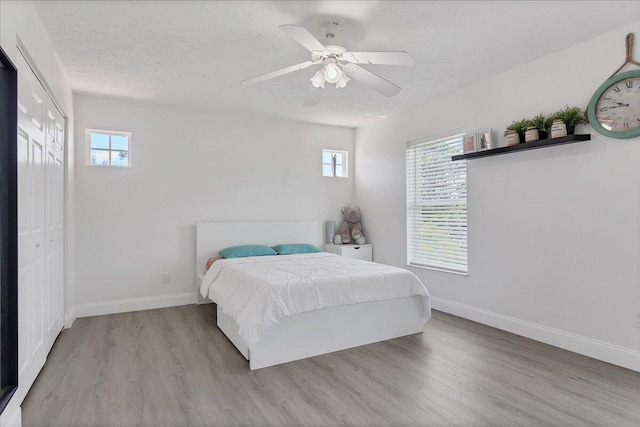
pixel 358 252
pixel 363 252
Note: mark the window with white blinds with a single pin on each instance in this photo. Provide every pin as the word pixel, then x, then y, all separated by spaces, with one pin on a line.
pixel 437 204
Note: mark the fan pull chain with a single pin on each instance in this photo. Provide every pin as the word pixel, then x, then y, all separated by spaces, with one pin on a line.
pixel 629 58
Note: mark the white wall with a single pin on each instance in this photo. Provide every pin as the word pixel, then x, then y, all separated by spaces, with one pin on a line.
pixel 188 167
pixel 19 21
pixel 553 233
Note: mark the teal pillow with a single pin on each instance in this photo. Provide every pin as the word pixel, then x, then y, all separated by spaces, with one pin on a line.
pixel 295 248
pixel 247 250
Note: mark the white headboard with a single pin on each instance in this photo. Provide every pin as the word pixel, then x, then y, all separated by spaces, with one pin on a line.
pixel 211 237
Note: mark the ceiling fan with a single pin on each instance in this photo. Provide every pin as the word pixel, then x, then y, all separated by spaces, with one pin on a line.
pixel 338 65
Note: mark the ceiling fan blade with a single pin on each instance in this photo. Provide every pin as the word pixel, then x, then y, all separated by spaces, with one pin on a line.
pixel 304 37
pixel 313 96
pixel 374 81
pixel 277 73
pixel 381 58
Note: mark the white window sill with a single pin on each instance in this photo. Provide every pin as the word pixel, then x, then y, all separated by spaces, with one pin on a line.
pixel 444 270
pixel 109 166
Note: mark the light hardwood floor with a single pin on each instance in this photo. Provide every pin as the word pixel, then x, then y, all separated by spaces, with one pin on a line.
pixel 173 367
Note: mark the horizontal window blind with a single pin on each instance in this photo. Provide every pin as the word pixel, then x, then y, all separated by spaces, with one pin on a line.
pixel 437 205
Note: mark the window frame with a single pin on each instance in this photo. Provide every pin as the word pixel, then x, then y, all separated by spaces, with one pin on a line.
pixel 87 145
pixel 412 201
pixel 345 162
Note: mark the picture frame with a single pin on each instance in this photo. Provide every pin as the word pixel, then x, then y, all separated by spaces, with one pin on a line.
pixel 469 143
pixel 484 140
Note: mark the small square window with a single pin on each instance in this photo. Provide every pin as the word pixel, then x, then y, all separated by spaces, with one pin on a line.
pixel 108 148
pixel 334 163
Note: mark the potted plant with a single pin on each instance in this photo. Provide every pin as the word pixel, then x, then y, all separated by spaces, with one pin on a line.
pixel 543 124
pixel 571 116
pixel 519 126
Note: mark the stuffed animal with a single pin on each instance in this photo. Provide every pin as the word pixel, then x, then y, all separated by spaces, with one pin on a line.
pixel 351 227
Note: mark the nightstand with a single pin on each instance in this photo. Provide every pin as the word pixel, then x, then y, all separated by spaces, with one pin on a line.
pixel 363 252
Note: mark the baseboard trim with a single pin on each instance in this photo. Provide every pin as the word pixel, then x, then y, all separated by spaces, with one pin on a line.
pixel 69 318
pixel 134 304
pixel 11 417
pixel 610 353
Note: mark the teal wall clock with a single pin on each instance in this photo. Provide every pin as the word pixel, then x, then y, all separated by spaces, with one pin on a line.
pixel 614 109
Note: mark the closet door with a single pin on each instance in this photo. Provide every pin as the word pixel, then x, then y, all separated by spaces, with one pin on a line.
pixel 31 223
pixel 54 198
pixel 40 201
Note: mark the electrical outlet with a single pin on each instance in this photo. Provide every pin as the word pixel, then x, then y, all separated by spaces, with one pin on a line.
pixel 165 277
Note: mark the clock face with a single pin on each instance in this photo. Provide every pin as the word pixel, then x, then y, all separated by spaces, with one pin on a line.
pixel 614 109
pixel 618 109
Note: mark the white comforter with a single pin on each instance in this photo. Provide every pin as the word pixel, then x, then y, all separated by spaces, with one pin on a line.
pixel 258 292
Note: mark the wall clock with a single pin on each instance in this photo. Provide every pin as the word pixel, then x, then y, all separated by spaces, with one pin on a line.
pixel 614 109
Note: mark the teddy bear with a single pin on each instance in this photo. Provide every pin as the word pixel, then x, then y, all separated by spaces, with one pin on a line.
pixel 350 227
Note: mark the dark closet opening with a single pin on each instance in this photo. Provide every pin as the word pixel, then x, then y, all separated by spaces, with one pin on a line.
pixel 8 230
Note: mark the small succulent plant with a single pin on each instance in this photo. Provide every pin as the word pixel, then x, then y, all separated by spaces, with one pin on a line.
pixel 519 126
pixel 571 116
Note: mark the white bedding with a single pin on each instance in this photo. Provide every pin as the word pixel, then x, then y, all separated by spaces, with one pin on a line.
pixel 258 292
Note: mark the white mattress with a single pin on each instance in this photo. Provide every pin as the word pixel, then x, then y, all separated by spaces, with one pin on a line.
pixel 258 292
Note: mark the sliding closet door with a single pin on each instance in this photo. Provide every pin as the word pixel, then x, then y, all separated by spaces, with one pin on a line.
pixel 40 222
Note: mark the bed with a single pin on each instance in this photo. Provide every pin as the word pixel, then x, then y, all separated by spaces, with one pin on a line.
pixel 286 332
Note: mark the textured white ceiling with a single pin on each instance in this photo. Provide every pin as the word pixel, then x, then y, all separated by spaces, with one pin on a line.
pixel 196 53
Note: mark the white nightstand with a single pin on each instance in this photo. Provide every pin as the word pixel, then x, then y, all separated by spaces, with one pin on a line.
pixel 363 252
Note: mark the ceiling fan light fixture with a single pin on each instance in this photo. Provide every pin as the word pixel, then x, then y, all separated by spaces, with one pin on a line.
pixel 338 64
pixel 332 73
pixel 318 79
pixel 342 82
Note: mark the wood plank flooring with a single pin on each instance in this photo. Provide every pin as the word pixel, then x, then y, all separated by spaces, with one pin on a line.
pixel 173 367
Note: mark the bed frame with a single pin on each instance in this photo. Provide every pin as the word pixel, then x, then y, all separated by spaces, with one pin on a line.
pixel 307 334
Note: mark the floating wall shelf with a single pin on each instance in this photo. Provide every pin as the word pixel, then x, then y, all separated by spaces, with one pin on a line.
pixel 569 139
